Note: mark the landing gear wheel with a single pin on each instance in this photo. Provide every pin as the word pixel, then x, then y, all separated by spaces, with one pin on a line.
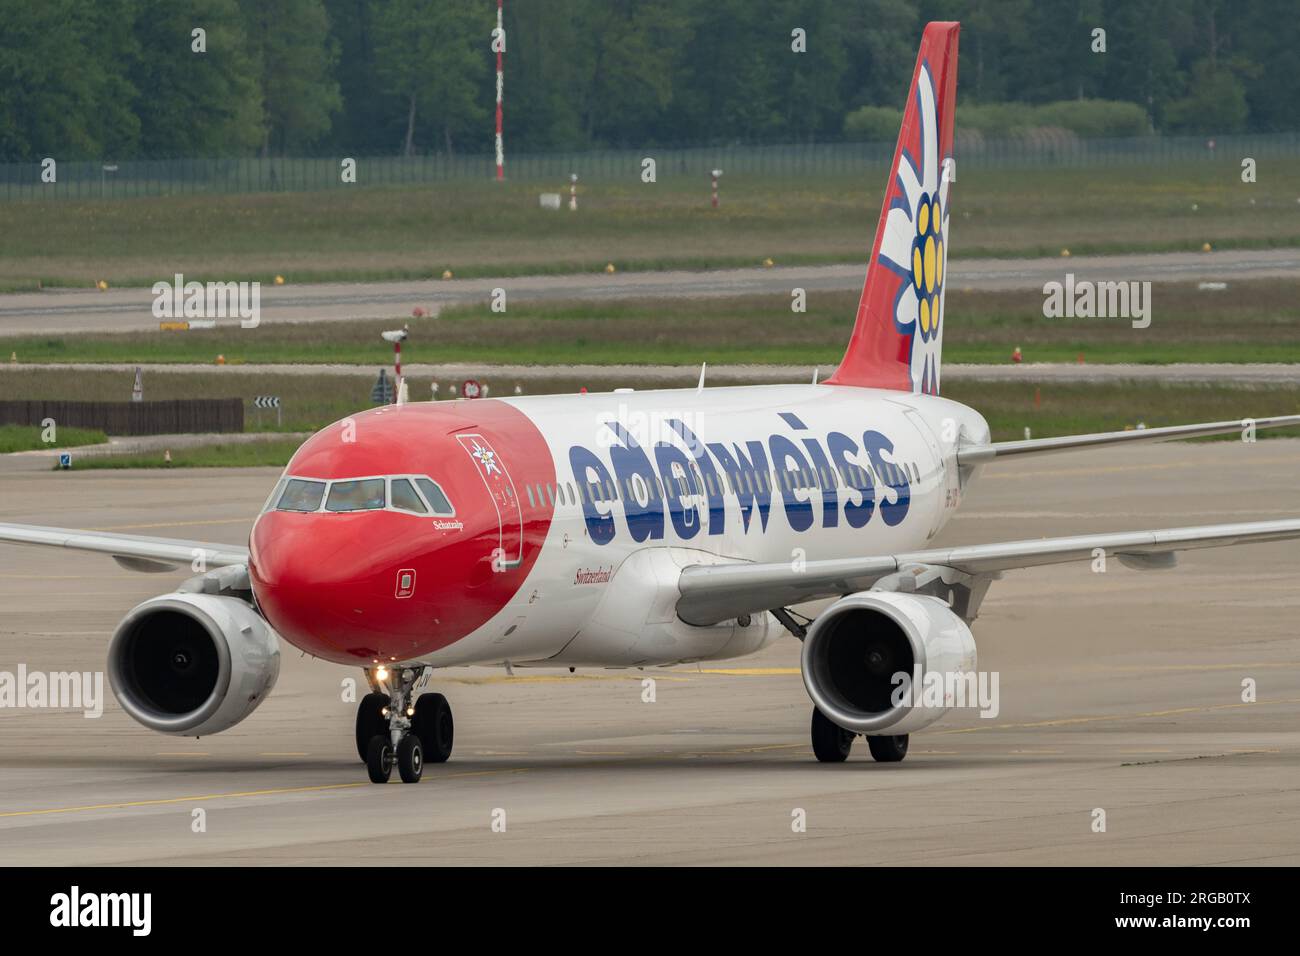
pixel 434 726
pixel 831 742
pixel 379 759
pixel 888 749
pixel 370 722
pixel 410 759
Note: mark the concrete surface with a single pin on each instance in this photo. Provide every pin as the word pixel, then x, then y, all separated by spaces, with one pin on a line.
pixel 1119 691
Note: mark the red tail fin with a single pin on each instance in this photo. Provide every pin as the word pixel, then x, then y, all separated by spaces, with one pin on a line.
pixel 898 337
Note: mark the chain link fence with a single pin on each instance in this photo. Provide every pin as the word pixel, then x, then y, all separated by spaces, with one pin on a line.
pixel 173 177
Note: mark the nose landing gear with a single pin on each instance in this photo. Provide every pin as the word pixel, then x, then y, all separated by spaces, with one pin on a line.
pixel 395 727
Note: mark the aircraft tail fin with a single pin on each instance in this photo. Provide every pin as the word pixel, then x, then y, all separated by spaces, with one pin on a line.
pixel 897 338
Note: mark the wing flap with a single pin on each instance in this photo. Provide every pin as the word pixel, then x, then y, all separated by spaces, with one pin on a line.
pixel 718 592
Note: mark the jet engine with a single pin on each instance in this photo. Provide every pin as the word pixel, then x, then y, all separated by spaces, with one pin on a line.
pixel 192 664
pixel 855 651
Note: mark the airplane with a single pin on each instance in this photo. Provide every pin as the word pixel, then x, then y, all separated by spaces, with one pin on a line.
pixel 634 529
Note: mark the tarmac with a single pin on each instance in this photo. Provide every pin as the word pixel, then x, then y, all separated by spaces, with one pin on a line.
pixel 1121 693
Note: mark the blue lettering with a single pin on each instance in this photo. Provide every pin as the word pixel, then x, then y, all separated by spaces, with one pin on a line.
pixel 744 474
pixel 644 521
pixel 712 481
pixel 679 483
pixel 792 480
pixel 875 445
pixel 592 478
pixel 855 477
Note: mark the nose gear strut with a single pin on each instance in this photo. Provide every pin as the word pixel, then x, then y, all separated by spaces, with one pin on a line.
pixel 391 723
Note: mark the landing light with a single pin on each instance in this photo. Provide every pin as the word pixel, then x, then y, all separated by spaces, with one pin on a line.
pixel 381 672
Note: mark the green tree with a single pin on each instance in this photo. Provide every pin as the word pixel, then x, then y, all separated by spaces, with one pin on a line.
pixel 1215 102
pixel 190 103
pixel 879 39
pixel 293 56
pixel 541 74
pixel 369 115
pixel 1269 31
pixel 625 66
pixel 63 92
pixel 435 59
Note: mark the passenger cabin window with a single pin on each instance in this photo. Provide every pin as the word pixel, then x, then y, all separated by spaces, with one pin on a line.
pixel 404 497
pixel 433 494
pixel 366 494
pixel 300 495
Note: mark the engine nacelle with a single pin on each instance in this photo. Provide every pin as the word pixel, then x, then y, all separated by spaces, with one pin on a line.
pixel 192 664
pixel 854 649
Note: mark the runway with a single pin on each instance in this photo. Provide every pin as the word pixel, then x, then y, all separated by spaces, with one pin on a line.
pixel 683 376
pixel 1120 691
pixel 130 309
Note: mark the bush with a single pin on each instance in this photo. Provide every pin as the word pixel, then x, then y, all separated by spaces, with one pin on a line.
pixel 994 120
pixel 1094 118
pixel 1084 118
pixel 1087 119
pixel 873 123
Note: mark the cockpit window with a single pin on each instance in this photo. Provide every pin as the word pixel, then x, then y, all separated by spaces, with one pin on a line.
pixel 276 492
pixel 404 497
pixel 437 500
pixel 366 494
pixel 301 495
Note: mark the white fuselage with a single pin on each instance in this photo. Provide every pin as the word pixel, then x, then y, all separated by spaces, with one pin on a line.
pixel 782 473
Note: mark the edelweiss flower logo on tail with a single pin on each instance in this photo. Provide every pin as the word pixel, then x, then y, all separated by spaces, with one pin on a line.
pixel 897 336
pixel 915 244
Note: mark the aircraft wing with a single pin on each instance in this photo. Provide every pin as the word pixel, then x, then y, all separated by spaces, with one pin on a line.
pixel 136 552
pixel 981 454
pixel 715 593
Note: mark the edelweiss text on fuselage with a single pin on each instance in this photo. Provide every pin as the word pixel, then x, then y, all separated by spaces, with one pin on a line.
pixel 668 483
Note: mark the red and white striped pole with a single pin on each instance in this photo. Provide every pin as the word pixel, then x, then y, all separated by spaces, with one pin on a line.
pixel 501 52
pixel 573 191
pixel 716 174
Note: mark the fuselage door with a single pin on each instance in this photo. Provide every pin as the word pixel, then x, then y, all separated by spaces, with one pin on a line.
pixel 505 498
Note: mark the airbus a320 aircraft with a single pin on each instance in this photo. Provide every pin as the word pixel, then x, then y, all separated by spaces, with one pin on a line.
pixel 632 529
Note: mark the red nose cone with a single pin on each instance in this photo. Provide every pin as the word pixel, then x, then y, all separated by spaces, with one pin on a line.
pixel 381 585
pixel 332 584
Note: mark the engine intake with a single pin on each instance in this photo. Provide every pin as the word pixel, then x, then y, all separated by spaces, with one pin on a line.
pixel 857 646
pixel 192 664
